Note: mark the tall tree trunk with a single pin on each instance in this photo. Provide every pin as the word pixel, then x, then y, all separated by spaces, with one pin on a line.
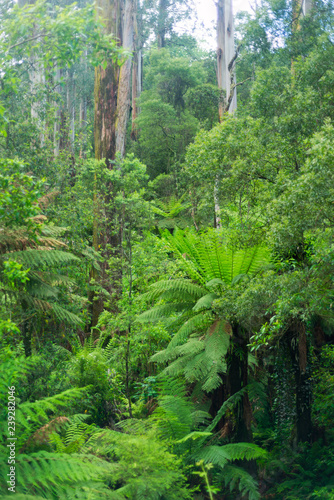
pixel 37 82
pixel 162 18
pixel 71 112
pixel 56 131
pixel 137 66
pixel 226 56
pixel 123 95
pixel 83 113
pixel 112 106
pixel 306 7
pixel 225 75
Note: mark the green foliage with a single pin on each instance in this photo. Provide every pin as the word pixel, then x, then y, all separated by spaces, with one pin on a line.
pixel 19 194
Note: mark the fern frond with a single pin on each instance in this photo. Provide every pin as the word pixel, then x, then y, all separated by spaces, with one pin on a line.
pixel 236 477
pixel 244 451
pixel 205 302
pixel 52 475
pixel 35 259
pixel 230 403
pixel 177 287
pixel 37 410
pixel 196 324
pixel 163 311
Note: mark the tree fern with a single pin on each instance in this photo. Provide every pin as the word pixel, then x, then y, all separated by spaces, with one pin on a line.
pixel 200 339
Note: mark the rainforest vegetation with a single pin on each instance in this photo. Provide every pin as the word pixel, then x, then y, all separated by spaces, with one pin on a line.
pixel 166 251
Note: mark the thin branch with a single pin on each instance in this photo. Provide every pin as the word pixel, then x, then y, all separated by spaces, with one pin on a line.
pixel 230 66
pixel 27 40
pixel 232 92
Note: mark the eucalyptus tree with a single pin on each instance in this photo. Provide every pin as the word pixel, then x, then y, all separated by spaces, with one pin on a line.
pixel 226 56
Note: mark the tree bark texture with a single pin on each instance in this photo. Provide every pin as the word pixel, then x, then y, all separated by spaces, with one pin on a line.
pixel 112 108
pixel 123 96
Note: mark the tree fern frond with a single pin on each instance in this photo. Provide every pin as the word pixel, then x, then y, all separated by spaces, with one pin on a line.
pixel 195 435
pixel 213 455
pixel 230 403
pixel 213 379
pixel 53 475
pixel 191 348
pixel 236 477
pixel 163 311
pixel 217 340
pixel 197 367
pixel 244 451
pixel 37 410
pixel 65 315
pixel 58 311
pixel 22 496
pixel 197 323
pixel 178 287
pixel 36 258
pixel 205 302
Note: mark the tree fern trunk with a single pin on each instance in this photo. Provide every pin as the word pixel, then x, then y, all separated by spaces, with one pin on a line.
pixel 26 333
pixel 237 378
pixel 299 355
pixel 238 425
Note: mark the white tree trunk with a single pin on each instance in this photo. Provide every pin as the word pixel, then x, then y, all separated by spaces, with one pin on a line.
pixel 226 55
pixel 123 94
pixel 56 130
pixel 306 7
pixel 37 83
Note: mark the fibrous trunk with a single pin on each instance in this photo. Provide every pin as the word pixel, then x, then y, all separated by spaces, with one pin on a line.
pixel 299 358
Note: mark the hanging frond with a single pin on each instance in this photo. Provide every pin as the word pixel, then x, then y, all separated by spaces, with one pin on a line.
pixel 237 478
pixel 36 259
